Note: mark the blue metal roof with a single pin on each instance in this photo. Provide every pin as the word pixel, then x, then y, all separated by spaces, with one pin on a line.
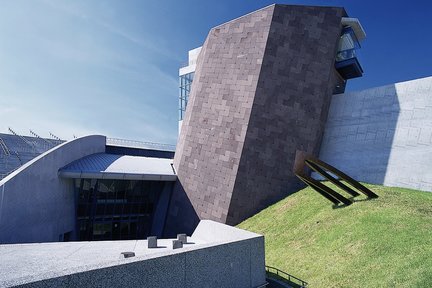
pixel 121 167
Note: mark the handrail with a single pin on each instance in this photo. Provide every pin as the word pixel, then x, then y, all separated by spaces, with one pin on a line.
pixel 286 276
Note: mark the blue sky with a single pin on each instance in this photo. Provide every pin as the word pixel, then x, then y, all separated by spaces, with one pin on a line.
pixel 110 67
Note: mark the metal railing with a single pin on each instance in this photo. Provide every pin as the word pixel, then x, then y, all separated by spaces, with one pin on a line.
pixel 139 144
pixel 55 137
pixel 22 138
pixel 290 279
pixel 50 144
pixel 18 156
pixel 4 147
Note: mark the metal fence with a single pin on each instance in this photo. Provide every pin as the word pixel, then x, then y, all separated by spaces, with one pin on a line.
pixel 290 279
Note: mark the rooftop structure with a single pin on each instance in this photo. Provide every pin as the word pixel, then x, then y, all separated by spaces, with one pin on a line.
pixel 16 150
pixel 119 167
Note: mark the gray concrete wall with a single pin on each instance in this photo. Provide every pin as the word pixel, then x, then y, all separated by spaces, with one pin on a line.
pixel 383 135
pixel 261 91
pixel 226 258
pixel 35 204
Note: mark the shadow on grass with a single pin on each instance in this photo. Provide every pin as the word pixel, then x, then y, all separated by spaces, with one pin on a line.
pixel 354 201
pixel 276 281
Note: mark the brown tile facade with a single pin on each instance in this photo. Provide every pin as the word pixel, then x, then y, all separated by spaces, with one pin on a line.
pixel 261 92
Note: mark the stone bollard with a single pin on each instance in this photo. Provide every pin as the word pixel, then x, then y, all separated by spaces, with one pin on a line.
pixel 177 244
pixel 128 254
pixel 182 238
pixel 152 242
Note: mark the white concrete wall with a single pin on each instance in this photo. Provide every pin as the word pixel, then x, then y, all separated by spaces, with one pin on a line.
pixel 35 204
pixel 383 135
pixel 192 59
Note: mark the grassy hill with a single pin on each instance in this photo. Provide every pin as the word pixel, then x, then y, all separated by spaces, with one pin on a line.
pixel 384 242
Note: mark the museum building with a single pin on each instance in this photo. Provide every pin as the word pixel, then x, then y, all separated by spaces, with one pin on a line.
pixel 262 88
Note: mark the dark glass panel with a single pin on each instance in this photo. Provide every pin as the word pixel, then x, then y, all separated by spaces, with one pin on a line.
pixel 116 209
pixel 100 210
pixel 109 209
pixel 82 210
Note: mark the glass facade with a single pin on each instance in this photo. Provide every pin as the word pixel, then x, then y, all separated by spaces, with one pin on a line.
pixel 347 63
pixel 348 44
pixel 115 209
pixel 185 88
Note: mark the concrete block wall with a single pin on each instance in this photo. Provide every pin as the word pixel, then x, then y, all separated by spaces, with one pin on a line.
pixel 35 204
pixel 383 135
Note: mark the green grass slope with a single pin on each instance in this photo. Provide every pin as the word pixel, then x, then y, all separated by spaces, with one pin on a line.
pixel 384 242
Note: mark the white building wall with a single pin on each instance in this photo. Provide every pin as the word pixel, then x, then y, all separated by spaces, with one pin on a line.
pixel 35 204
pixel 192 60
pixel 383 135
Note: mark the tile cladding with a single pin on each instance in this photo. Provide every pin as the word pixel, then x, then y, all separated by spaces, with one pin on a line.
pixel 261 91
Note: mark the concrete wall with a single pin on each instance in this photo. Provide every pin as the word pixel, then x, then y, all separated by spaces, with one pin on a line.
pixel 261 91
pixel 383 135
pixel 226 258
pixel 35 204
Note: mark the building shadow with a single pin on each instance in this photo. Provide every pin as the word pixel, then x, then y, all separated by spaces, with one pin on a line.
pixel 354 201
pixel 276 281
pixel 181 216
pixel 360 132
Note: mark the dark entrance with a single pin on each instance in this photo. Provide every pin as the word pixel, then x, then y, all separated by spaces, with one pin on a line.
pixel 116 209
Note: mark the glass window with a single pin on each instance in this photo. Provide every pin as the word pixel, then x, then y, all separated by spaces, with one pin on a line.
pixel 185 88
pixel 348 44
pixel 116 209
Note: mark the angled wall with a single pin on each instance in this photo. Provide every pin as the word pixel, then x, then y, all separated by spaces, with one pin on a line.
pixel 289 112
pixel 261 91
pixel 35 204
pixel 383 135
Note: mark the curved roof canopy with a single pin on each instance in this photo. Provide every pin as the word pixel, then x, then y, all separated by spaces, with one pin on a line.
pixel 120 167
